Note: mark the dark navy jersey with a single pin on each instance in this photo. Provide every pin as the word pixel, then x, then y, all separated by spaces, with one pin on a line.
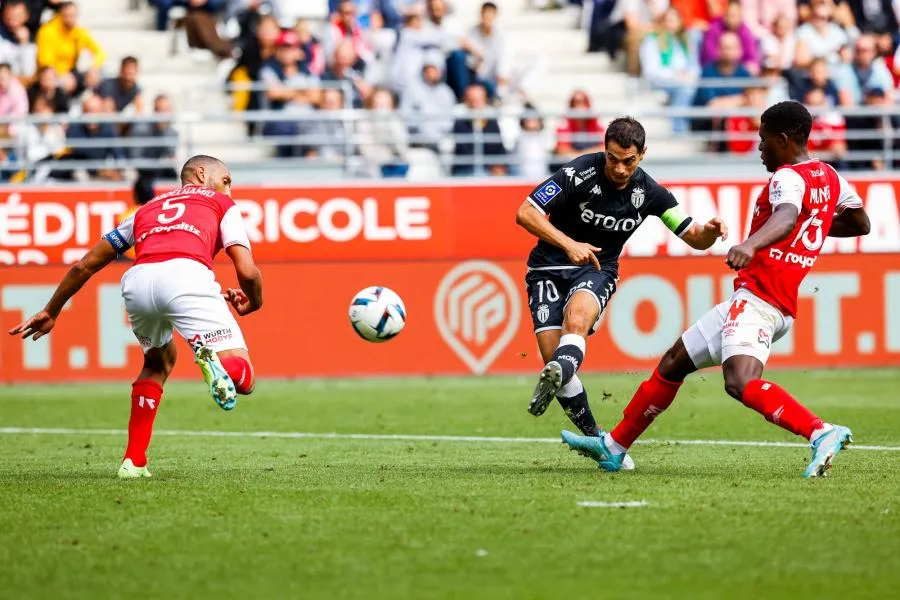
pixel 587 207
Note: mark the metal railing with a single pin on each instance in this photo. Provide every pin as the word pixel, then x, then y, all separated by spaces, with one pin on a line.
pixel 334 134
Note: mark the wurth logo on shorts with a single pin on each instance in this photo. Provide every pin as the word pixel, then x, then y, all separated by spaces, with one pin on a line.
pixel 208 338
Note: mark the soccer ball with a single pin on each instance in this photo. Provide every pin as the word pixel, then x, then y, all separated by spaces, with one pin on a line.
pixel 377 314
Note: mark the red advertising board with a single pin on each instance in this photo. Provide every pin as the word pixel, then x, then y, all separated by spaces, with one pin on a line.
pixel 387 223
pixel 849 316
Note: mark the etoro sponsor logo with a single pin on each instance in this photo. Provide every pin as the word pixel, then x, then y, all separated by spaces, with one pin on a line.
pixel 477 309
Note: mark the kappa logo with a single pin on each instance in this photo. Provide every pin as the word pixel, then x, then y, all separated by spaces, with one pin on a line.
pixel 477 309
pixel 570 173
pixel 597 191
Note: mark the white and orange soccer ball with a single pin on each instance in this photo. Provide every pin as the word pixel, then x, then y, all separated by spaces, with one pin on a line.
pixel 377 314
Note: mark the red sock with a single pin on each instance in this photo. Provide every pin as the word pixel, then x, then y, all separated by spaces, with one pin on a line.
pixel 651 399
pixel 774 403
pixel 238 368
pixel 145 398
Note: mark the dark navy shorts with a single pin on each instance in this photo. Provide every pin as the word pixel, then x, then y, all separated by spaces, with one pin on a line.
pixel 550 288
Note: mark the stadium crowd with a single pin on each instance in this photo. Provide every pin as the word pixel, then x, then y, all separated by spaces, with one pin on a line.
pixel 425 74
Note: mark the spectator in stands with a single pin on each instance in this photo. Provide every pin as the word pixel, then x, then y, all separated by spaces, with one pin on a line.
pixel 821 36
pixel 123 92
pixel 13 99
pixel 479 148
pixel 382 138
pixel 779 46
pixel 637 18
pixel 332 140
pixel 16 47
pixel 35 12
pixel 47 86
pixel 247 14
pixel 412 45
pixel 606 27
pixel 580 132
pixel 819 79
pixel 344 26
pixel 42 140
pixel 486 56
pixel 727 66
pixel 342 71
pixel 363 10
pixel 95 132
pixel 876 17
pixel 428 105
pixel 878 131
pixel 442 30
pixel 60 42
pixel 698 14
pixel 670 64
pixel 257 52
pixel 867 71
pixel 200 26
pixel 829 130
pixel 761 15
pixel 733 21
pixel 721 97
pixel 740 132
pixel 532 154
pixel 160 141
pixel 313 54
pixel 290 90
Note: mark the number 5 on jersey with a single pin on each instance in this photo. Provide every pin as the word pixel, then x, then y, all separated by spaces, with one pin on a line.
pixel 171 204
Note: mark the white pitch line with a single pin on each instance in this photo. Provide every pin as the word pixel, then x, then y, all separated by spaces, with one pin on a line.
pixel 628 504
pixel 391 437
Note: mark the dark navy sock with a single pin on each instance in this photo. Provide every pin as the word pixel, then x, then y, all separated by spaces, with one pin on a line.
pixel 579 412
pixel 569 358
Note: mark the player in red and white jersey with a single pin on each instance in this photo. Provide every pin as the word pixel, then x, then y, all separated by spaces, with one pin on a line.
pixel 171 287
pixel 805 201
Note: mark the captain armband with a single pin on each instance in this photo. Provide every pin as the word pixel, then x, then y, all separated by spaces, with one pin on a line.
pixel 676 220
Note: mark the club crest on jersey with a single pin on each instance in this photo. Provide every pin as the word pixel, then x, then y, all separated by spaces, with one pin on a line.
pixel 543 313
pixel 637 197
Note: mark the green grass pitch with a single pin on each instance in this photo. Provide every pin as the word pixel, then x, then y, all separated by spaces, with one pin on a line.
pixel 314 517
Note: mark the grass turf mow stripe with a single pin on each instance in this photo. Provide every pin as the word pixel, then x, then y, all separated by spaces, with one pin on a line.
pixel 402 437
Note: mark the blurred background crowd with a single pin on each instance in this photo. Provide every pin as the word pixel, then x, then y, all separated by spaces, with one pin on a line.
pixel 413 88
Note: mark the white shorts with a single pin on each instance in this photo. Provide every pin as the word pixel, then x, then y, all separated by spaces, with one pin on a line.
pixel 744 325
pixel 183 295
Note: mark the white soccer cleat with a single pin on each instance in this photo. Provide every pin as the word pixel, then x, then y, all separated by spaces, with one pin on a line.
pixel 129 471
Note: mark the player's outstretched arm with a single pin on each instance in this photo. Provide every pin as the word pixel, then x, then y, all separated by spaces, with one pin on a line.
pixel 702 237
pixel 250 297
pixel 535 223
pixel 41 323
pixel 778 227
pixel 852 222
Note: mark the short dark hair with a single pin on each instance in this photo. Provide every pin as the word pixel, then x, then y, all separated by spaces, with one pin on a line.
pixel 790 118
pixel 626 132
pixel 62 5
pixel 5 67
pixel 129 60
pixel 489 6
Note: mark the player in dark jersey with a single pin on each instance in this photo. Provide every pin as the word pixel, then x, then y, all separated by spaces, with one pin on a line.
pixel 594 203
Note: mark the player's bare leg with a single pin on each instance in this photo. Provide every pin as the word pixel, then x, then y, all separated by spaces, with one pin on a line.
pixel 652 397
pixel 582 311
pixel 146 394
pixel 743 381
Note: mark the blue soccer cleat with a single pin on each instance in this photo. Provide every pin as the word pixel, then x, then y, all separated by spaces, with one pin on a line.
pixel 824 449
pixel 594 448
pixel 221 387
